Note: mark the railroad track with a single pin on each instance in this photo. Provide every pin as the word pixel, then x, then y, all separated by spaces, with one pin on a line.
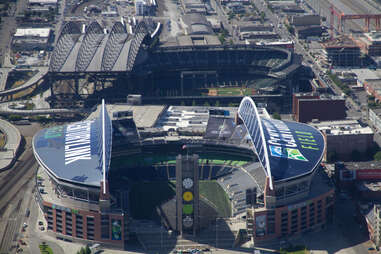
pixel 17 177
pixel 13 187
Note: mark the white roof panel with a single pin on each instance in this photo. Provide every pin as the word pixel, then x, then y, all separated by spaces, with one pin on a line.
pixel 40 32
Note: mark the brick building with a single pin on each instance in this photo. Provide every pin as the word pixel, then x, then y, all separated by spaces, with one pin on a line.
pixel 308 106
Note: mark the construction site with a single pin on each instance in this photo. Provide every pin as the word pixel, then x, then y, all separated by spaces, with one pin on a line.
pixel 354 31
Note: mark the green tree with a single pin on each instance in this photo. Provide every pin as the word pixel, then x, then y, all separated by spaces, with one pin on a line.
pixel 193 103
pixel 206 104
pixel 276 115
pixel 263 15
pixel 217 103
pixel 221 37
pixel 84 250
pixel 14 117
pixel 377 156
pixel 231 15
pixel 182 103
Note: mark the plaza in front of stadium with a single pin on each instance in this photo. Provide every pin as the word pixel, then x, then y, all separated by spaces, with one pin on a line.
pixel 111 178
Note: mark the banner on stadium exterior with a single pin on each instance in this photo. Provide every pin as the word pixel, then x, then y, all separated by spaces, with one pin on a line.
pixel 368 174
pixel 260 225
pixel 116 229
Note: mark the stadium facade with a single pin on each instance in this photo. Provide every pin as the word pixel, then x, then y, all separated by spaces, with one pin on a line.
pixel 291 193
pixel 297 195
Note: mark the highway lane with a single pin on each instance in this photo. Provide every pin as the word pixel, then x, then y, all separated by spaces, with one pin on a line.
pixel 42 71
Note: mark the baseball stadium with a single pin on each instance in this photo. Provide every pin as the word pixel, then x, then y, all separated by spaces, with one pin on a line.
pixel 91 61
pixel 112 178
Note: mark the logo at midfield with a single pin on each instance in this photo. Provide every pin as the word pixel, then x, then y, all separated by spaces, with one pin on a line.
pixel 289 153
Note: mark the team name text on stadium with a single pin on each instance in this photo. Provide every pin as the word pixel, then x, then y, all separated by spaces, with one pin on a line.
pixel 280 134
pixel 77 142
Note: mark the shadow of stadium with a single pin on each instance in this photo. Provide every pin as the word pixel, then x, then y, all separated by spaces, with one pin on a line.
pixel 160 234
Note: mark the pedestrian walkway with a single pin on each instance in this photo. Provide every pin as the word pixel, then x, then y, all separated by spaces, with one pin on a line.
pixel 13 140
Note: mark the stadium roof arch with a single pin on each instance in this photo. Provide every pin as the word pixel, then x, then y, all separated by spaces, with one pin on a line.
pixel 99 51
pixel 79 152
pixel 66 41
pixel 90 43
pixel 285 149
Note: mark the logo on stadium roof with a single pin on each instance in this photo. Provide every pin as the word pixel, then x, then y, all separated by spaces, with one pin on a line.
pixel 285 152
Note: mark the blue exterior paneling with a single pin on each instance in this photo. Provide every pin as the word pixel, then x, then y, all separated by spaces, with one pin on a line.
pixel 286 149
pixel 73 152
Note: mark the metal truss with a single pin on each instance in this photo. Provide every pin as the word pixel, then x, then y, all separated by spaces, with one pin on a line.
pixel 114 45
pixel 90 43
pixel 141 32
pixel 65 43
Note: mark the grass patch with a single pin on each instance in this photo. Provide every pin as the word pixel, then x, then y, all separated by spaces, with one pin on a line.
pixel 213 192
pixel 145 160
pixel 228 91
pixel 218 162
pixel 2 140
pixel 45 249
pixel 18 78
pixel 23 93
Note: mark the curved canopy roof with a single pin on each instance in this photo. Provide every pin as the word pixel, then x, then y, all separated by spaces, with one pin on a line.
pixel 79 152
pixel 286 149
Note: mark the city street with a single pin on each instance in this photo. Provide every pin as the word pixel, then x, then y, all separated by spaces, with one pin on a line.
pixel 343 235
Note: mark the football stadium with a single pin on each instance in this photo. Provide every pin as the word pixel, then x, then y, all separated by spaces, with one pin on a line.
pixel 111 177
